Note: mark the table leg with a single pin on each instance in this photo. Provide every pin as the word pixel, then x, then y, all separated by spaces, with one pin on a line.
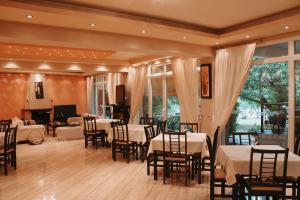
pixel 155 164
pixel 199 169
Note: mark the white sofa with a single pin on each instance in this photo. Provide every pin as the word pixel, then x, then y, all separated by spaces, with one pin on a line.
pixel 69 133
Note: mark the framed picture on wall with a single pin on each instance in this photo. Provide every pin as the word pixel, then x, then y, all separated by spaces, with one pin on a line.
pixel 39 91
pixel 205 76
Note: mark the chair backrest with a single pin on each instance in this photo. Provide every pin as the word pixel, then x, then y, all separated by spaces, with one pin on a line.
pixel 90 124
pixel 297 146
pixel 10 139
pixel 215 141
pixel 186 126
pixel 267 167
pixel 245 138
pixel 120 132
pixel 149 132
pixel 146 120
pixel 161 126
pixel 174 144
pixel 5 124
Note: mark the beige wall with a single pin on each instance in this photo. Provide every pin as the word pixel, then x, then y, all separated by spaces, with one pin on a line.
pixel 61 90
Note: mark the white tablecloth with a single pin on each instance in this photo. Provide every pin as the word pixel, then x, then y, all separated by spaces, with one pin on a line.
pixel 69 132
pixel 32 133
pixel 196 143
pixel 235 159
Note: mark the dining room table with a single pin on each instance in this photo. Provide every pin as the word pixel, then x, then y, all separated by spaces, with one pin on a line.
pixel 235 159
pixel 196 145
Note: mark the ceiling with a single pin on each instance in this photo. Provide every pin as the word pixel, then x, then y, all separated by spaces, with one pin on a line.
pixel 214 14
pixel 113 34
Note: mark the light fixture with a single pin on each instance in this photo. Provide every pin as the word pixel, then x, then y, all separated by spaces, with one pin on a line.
pixel 92 24
pixel 11 65
pixel 29 16
pixel 184 38
pixel 45 67
pixel 286 27
pixel 217 43
pixel 74 67
pixel 143 31
pixel 247 36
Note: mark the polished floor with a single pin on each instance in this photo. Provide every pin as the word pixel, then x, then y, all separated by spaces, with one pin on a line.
pixel 58 170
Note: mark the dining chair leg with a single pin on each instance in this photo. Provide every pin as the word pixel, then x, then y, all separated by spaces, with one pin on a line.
pixel 127 154
pixel 199 169
pixel 113 148
pixel 136 152
pixel 85 142
pixel 148 165
pixel 155 165
pixel 5 164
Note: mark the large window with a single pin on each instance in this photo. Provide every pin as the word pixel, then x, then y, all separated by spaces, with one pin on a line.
pixel 160 100
pixel 101 97
pixel 270 99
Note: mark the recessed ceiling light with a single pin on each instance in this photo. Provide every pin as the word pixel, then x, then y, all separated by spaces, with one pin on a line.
pixel 247 36
pixel 184 38
pixel 143 31
pixel 286 27
pixel 29 16
pixel 92 25
pixel 217 43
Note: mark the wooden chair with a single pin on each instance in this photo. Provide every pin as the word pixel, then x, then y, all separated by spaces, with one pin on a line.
pixel 121 143
pixel 264 181
pixel 161 126
pixel 91 133
pixel 149 134
pixel 192 127
pixel 8 153
pixel 146 120
pixel 245 138
pixel 5 124
pixel 206 159
pixel 175 154
pixel 217 174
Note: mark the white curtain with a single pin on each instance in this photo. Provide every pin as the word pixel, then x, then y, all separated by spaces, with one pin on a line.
pixel 90 90
pixel 137 78
pixel 186 79
pixel 232 67
pixel 111 87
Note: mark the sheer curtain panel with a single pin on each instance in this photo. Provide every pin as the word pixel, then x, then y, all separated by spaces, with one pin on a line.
pixel 137 78
pixel 186 79
pixel 232 67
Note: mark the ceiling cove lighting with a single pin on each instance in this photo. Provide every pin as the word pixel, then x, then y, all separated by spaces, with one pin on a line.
pixel 45 67
pixel 74 67
pixel 286 27
pixel 11 65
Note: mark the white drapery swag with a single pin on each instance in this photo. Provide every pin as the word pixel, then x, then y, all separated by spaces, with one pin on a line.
pixel 186 79
pixel 137 78
pixel 90 95
pixel 111 87
pixel 232 67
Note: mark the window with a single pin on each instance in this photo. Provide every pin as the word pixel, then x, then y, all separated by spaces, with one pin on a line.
pixel 297 47
pixel 173 108
pixel 276 50
pixel 101 97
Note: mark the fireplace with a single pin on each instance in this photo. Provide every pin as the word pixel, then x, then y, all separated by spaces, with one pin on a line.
pixel 41 116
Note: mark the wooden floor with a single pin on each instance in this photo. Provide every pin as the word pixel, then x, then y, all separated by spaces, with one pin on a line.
pixel 58 170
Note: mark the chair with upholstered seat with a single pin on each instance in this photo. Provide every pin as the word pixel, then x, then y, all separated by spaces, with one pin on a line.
pixel 191 127
pixel 245 138
pixel 5 124
pixel 8 153
pixel 262 179
pixel 217 174
pixel 175 154
pixel 146 120
pixel 121 142
pixel 91 133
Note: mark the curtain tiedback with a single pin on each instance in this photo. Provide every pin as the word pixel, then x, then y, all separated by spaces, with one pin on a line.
pixel 186 79
pixel 232 67
pixel 137 78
